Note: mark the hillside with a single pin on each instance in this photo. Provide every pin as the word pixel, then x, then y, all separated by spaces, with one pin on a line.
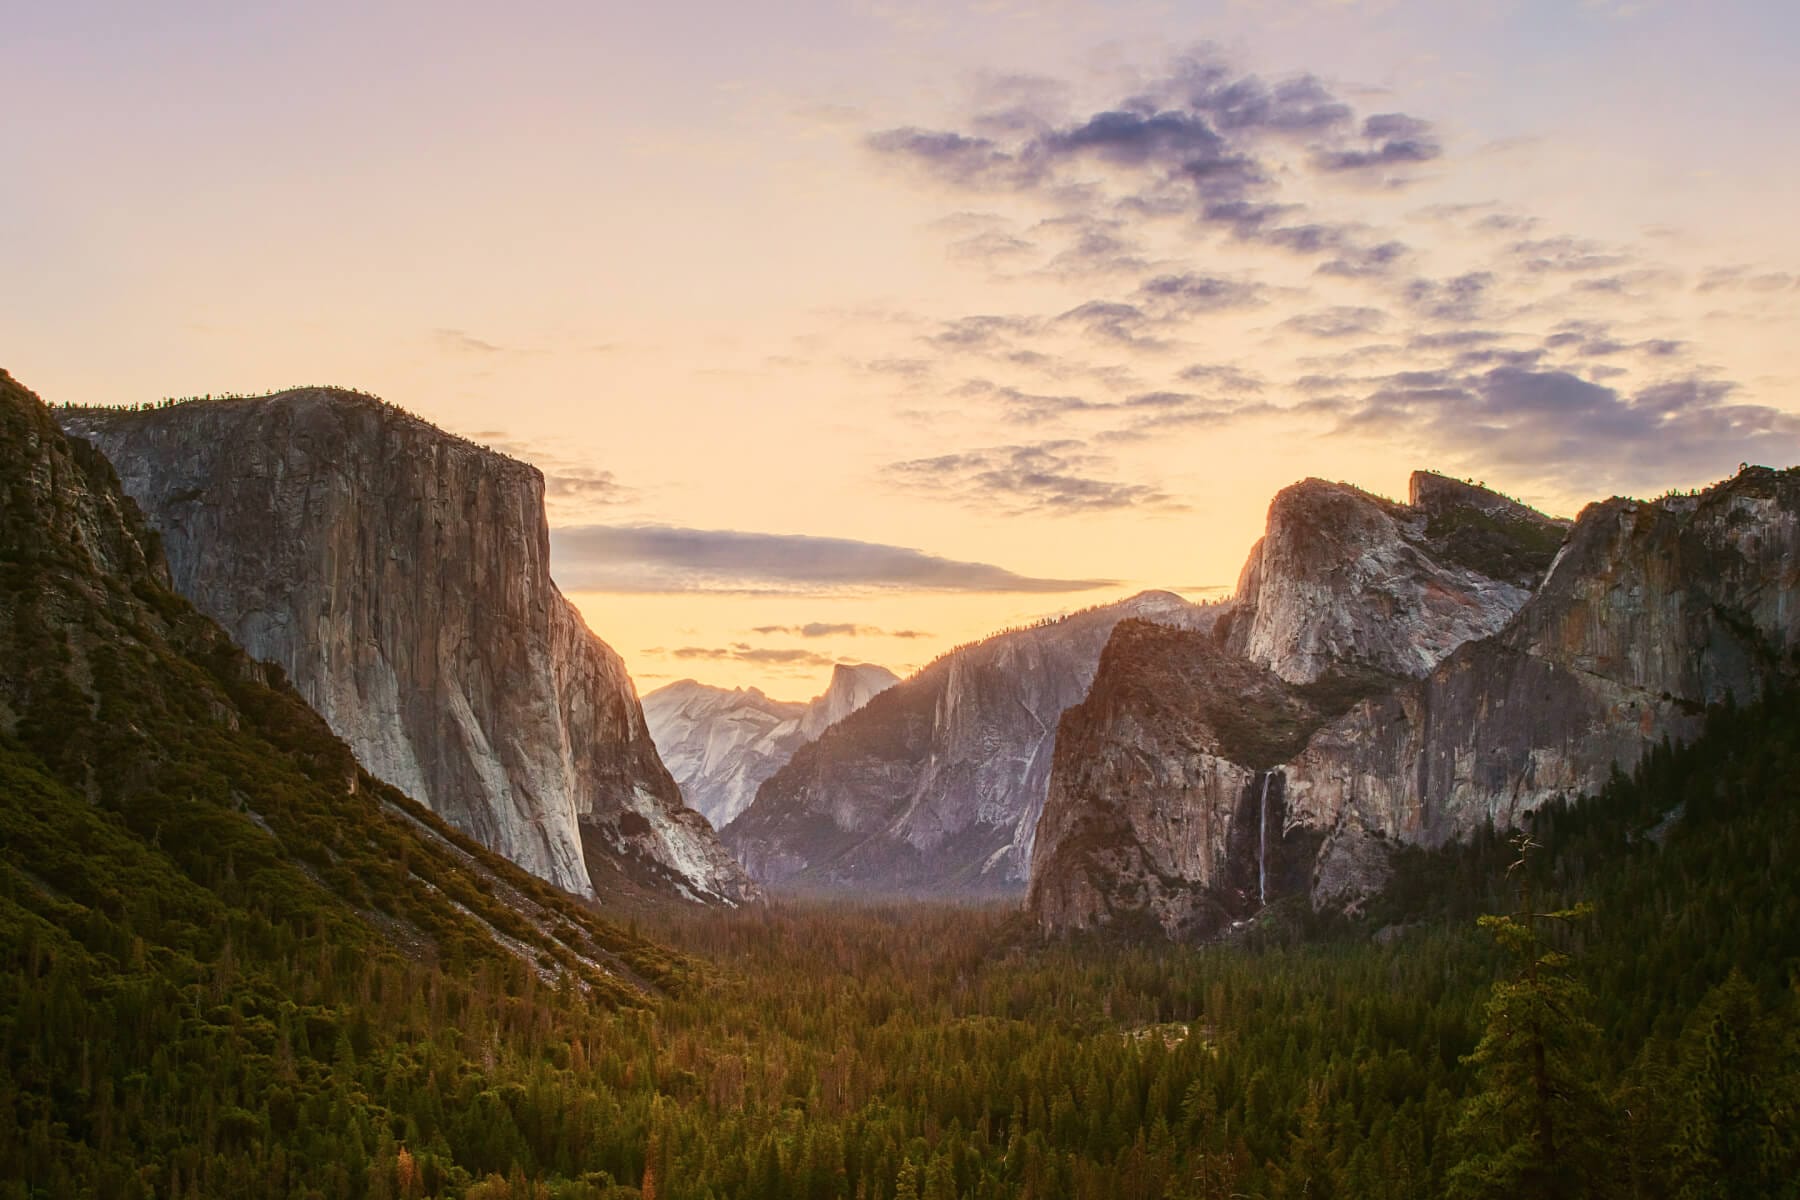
pixel 215 928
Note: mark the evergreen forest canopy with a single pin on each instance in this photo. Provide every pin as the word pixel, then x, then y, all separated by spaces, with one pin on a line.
pixel 233 965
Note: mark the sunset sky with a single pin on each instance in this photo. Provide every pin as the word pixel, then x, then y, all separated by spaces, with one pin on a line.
pixel 851 331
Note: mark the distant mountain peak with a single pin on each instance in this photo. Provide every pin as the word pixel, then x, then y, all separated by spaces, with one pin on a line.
pixel 935 786
pixel 720 744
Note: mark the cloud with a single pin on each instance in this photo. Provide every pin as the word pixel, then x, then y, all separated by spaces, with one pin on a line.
pixel 1229 378
pixel 1462 298
pixel 1175 410
pixel 660 559
pixel 1338 321
pixel 585 486
pixel 820 629
pixel 1026 408
pixel 1564 255
pixel 1113 321
pixel 993 247
pixel 569 486
pixel 1366 262
pixel 911 370
pixel 1746 279
pixel 1389 140
pixel 1051 478
pixel 1202 138
pixel 1555 426
pixel 970 162
pixel 456 341
pixel 745 653
pixel 982 333
pixel 1091 247
pixel 1199 164
pixel 1189 293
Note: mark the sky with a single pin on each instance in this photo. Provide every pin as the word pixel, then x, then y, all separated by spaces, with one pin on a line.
pixel 854 331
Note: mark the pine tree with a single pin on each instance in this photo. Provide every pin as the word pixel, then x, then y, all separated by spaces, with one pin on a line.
pixel 906 1183
pixel 1537 1125
pixel 1734 1136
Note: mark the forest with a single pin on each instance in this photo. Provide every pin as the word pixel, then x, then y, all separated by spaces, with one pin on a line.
pixel 234 965
pixel 894 1053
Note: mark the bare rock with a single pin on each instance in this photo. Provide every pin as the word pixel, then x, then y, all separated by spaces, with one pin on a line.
pixel 400 576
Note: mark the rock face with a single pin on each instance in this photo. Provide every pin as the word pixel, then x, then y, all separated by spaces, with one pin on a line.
pixel 1160 787
pixel 400 576
pixel 1649 612
pixel 936 785
pixel 1653 611
pixel 852 686
pixel 721 744
pixel 1347 580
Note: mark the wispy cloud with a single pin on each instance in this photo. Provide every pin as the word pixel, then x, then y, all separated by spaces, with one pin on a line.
pixel 822 629
pixel 1484 334
pixel 1338 321
pixel 743 652
pixel 1057 478
pixel 672 559
pixel 1557 427
pixel 571 488
pixel 458 341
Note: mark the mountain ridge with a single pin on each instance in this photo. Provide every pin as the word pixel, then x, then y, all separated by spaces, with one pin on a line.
pixel 935 785
pixel 1647 612
pixel 400 576
pixel 721 744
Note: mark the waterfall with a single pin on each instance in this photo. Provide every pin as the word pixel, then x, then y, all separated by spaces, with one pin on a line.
pixel 1262 845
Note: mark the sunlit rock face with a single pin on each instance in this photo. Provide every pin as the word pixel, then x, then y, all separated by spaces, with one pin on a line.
pixel 1345 579
pixel 936 785
pixel 400 576
pixel 1172 805
pixel 1648 612
pixel 721 743
pixel 1653 610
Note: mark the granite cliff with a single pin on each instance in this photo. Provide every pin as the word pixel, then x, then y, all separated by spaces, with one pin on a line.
pixel 935 786
pixel 1345 580
pixel 1203 778
pixel 400 577
pixel 721 743
pixel 169 805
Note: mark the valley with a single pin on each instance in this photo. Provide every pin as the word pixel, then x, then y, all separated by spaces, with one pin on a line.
pixel 1077 600
pixel 1218 984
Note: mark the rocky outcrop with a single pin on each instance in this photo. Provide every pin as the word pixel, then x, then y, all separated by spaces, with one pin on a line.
pixel 1649 612
pixel 1345 580
pixel 1653 611
pixel 937 784
pixel 852 686
pixel 1158 810
pixel 720 744
pixel 400 576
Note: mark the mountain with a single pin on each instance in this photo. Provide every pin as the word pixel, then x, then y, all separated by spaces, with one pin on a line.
pixel 205 902
pixel 936 784
pixel 400 577
pixel 721 744
pixel 1344 580
pixel 1199 782
pixel 852 686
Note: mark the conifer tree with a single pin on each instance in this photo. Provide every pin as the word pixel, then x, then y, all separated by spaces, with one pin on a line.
pixel 1537 1125
pixel 1734 1135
